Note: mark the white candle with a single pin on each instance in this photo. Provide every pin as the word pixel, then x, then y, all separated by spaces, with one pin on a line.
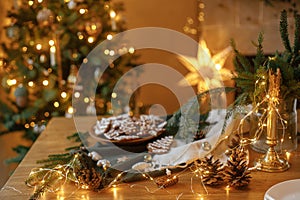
pixel 52 55
pixel 113 21
pixel 113 25
pixel 16 4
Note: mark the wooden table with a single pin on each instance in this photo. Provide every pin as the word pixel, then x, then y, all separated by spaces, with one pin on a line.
pixel 53 140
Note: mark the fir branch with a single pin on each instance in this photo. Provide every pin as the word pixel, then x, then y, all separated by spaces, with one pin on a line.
pixel 246 75
pixel 260 57
pixel 63 158
pixel 237 66
pixel 292 88
pixel 244 62
pixel 173 121
pixel 297 37
pixel 75 137
pixel 22 151
pixel 55 159
pixel 72 148
pixel 284 31
pixel 287 71
pixel 268 2
pixel 241 63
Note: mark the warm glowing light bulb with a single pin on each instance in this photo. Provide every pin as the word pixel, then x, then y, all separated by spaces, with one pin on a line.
pixel 11 82
pixel 30 2
pixel 32 124
pixel 85 187
pixel 131 50
pixel 24 49
pixel 112 14
pixel 56 104
pixel 38 46
pixel 45 82
pixel 51 42
pixel 46 114
pixel 82 11
pixel 80 37
pixel 106 52
pixel 86 100
pixel 227 188
pixel 63 95
pixel 77 94
pixel 85 60
pixel 114 95
pixel 30 84
pixel 91 39
pixel 109 37
pixel 59 18
pixel 40 1
pixel 52 49
pixel 111 52
pixel 93 27
pixel 70 110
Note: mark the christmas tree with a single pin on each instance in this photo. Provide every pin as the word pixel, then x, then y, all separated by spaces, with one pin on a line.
pixel 48 41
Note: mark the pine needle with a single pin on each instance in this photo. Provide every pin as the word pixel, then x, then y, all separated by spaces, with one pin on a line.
pixel 297 36
pixel 284 31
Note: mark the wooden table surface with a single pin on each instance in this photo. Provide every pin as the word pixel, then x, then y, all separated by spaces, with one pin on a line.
pixel 53 140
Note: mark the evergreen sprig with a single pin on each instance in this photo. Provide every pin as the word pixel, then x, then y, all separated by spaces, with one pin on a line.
pixel 252 81
pixel 297 35
pixel 284 31
pixel 192 110
pixel 21 150
pixel 242 61
pixel 62 158
pixel 260 58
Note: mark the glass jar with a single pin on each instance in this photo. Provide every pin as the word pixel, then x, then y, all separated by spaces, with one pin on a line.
pixel 286 128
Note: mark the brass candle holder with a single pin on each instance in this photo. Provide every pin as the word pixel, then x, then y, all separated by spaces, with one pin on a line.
pixel 271 162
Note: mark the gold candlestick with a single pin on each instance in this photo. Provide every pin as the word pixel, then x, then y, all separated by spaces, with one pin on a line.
pixel 271 162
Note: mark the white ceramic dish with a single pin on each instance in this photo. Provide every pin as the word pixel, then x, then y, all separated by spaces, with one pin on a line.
pixel 287 190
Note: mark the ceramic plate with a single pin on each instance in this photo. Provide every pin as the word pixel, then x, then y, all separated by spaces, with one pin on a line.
pixel 287 190
pixel 149 138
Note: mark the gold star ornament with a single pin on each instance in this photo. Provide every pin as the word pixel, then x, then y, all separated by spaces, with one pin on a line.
pixel 206 71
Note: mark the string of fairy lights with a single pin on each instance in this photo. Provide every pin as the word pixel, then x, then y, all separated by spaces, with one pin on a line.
pixel 262 119
pixel 63 171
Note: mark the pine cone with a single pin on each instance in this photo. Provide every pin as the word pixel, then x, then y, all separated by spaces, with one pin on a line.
pixel 211 171
pixel 90 178
pixel 166 181
pixel 235 141
pixel 236 173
